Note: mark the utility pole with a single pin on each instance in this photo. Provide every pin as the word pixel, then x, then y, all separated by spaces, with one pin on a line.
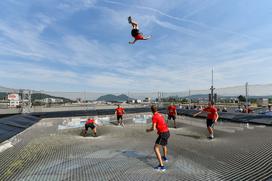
pixel 246 89
pixel 189 98
pixel 212 90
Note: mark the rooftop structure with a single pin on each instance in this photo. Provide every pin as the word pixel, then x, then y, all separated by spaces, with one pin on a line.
pixel 53 149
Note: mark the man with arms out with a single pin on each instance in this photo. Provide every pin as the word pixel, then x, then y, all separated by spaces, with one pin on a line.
pixel 90 123
pixel 135 31
pixel 212 117
pixel 119 111
pixel 172 114
pixel 158 123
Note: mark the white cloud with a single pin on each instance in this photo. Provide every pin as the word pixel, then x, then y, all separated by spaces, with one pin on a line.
pixel 177 28
pixel 72 6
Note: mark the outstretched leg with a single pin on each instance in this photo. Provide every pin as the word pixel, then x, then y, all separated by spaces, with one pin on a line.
pixel 139 37
pixel 174 119
pixel 84 132
pixel 122 123
pixel 132 42
pixel 118 120
pixel 94 132
pixel 158 154
pixel 146 37
pixel 210 130
pixel 165 151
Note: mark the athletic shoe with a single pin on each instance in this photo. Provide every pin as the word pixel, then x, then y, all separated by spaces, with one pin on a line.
pixel 211 137
pixel 160 168
pixel 164 159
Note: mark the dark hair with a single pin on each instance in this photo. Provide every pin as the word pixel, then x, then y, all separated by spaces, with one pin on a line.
pixel 129 19
pixel 154 108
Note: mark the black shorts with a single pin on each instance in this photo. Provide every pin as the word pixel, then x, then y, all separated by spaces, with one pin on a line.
pixel 134 32
pixel 162 138
pixel 210 123
pixel 119 117
pixel 92 126
pixel 171 116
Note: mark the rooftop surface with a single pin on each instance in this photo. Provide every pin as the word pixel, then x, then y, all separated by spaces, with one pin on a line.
pixel 53 149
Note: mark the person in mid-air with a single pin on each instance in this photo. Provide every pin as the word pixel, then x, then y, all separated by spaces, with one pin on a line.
pixel 135 31
pixel 92 124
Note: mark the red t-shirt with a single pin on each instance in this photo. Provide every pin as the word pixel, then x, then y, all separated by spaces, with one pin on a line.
pixel 172 110
pixel 161 126
pixel 211 112
pixel 139 37
pixel 120 111
pixel 90 121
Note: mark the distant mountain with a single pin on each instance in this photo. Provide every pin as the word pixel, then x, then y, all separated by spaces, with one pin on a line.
pixel 114 98
pixel 5 89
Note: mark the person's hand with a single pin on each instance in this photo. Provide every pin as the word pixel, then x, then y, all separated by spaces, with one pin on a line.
pixel 147 130
pixel 215 122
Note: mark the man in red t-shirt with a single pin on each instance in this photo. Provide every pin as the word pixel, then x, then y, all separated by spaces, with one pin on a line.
pixel 119 111
pixel 172 113
pixel 90 123
pixel 212 117
pixel 158 123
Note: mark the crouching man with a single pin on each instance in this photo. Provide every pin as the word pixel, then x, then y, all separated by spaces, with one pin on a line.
pixel 90 123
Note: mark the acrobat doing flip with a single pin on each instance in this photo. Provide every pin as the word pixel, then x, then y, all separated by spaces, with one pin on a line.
pixel 135 31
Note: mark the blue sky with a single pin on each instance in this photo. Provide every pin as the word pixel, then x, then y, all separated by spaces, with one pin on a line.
pixel 82 45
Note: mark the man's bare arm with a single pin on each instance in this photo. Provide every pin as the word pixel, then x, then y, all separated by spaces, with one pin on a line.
pixel 197 113
pixel 152 128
